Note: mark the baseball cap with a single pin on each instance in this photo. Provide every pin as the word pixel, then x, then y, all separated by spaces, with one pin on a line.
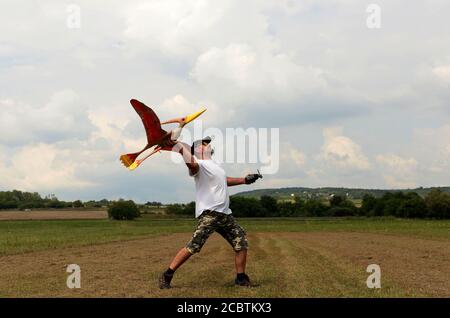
pixel 206 139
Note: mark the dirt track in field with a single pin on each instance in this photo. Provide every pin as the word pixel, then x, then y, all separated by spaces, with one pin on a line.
pixel 284 264
pixel 53 215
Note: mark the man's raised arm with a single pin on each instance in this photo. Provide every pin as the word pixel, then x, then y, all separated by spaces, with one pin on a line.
pixel 185 150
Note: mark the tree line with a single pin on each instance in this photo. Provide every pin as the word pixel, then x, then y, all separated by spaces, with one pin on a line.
pixel 436 204
pixel 325 192
pixel 21 200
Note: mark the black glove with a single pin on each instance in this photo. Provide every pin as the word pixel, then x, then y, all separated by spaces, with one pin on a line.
pixel 251 178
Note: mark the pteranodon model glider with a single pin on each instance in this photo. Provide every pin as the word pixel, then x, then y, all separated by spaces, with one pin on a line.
pixel 156 136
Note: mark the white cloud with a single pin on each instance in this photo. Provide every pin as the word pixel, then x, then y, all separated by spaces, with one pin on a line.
pixel 432 146
pixel 40 166
pixel 398 172
pixel 174 27
pixel 397 163
pixel 112 126
pixel 296 156
pixel 443 72
pixel 184 29
pixel 393 182
pixel 179 106
pixel 342 152
pixel 252 75
pixel 293 162
pixel 63 116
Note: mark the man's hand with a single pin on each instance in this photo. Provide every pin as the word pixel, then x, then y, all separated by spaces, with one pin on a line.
pixel 251 178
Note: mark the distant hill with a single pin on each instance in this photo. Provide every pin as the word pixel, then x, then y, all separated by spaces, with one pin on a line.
pixel 287 193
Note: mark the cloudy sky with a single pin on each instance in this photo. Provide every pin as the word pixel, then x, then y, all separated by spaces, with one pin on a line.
pixel 355 106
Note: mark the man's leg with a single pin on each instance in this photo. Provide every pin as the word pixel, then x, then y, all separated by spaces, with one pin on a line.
pixel 206 226
pixel 236 236
pixel 181 257
pixel 240 260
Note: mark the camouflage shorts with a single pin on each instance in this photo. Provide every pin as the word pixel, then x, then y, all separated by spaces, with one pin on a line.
pixel 224 224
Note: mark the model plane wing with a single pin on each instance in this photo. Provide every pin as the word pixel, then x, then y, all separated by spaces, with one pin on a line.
pixel 151 122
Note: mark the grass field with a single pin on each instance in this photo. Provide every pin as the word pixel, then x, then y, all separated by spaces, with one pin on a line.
pixel 287 257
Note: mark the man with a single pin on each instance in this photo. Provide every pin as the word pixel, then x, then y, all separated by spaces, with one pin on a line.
pixel 211 208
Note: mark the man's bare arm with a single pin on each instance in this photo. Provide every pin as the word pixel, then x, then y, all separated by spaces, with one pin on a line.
pixel 248 179
pixel 235 181
pixel 185 150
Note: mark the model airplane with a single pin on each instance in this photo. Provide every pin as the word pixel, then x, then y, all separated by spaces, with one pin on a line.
pixel 156 136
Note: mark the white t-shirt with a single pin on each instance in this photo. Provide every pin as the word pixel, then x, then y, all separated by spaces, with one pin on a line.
pixel 211 188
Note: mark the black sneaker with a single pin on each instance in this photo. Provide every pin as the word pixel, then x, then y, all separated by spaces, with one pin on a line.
pixel 164 281
pixel 245 281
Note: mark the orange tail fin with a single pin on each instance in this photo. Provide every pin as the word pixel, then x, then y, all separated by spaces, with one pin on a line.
pixel 129 158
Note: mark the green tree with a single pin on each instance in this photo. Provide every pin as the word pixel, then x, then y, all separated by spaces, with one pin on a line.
pixel 287 208
pixel 269 204
pixel 190 208
pixel 341 207
pixel 55 204
pixel 181 209
pixel 175 209
pixel 77 204
pixel 340 211
pixel 153 203
pixel 368 204
pixel 438 204
pixel 123 210
pixel 314 207
pixel 413 206
pixel 336 200
pixel 246 207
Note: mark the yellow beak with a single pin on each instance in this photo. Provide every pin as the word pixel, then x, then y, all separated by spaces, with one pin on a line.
pixel 193 116
pixel 184 120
